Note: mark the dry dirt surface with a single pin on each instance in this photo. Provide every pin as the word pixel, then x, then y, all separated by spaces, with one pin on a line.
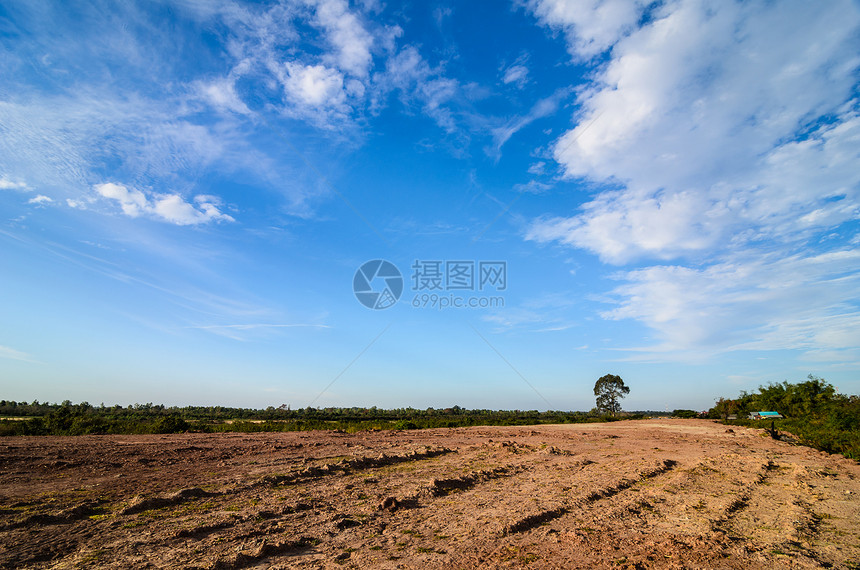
pixel 632 494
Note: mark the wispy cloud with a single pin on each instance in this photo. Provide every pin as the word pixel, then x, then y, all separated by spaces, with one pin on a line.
pixel 772 302
pixel 241 331
pixel 543 108
pixel 516 73
pixel 548 312
pixel 12 354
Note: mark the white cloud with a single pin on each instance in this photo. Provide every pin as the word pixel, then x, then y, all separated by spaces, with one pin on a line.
pixel 537 168
pixel 76 204
pixel 167 207
pixel 133 202
pixel 768 302
pixel 314 85
pixel 591 26
pixel 40 199
pixel 346 33
pixel 708 121
pixel 6 184
pixel 221 94
pixel 725 135
pixel 517 74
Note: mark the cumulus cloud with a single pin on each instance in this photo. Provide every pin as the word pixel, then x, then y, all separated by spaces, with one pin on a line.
pixel 167 207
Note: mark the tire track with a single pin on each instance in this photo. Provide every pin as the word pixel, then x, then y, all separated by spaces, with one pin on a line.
pixel 350 465
pixel 531 521
pixel 742 499
pixel 761 519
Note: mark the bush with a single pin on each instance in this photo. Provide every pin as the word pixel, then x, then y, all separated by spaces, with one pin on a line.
pixel 686 414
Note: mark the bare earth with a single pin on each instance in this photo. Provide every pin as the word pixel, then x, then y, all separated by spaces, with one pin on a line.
pixel 634 494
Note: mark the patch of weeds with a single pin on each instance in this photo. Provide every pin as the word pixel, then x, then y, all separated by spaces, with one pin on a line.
pixel 529 558
pixel 194 508
pixel 160 513
pixel 134 524
pixel 376 547
pixel 412 532
pixel 93 556
pixel 424 550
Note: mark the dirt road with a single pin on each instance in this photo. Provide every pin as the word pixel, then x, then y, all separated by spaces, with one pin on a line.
pixel 635 494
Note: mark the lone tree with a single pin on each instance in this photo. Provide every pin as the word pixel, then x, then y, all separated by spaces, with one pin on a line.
pixel 609 389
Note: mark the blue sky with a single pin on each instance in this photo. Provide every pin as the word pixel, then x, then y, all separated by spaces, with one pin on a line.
pixel 188 188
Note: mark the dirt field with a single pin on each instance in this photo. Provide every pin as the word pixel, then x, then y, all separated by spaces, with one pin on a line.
pixel 635 494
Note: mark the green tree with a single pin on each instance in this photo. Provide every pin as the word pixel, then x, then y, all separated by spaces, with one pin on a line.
pixel 609 389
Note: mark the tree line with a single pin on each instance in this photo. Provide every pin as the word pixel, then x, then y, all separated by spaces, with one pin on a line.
pixel 814 412
pixel 67 418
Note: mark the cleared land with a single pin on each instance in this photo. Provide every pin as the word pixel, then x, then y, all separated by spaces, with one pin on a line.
pixel 635 494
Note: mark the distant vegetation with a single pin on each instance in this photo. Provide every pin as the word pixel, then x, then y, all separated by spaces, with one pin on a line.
pixel 81 419
pixel 814 412
pixel 686 414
